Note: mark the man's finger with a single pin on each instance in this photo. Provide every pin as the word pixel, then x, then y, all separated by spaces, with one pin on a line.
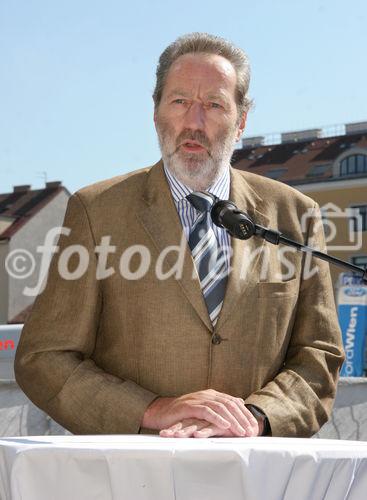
pixel 239 411
pixel 228 410
pixel 185 428
pixel 204 412
pixel 209 431
pixel 190 430
pixel 240 403
pixel 170 430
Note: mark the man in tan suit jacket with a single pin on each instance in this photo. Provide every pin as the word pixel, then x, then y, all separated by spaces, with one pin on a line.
pixel 127 352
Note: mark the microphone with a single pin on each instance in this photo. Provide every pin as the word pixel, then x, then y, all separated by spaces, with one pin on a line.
pixel 226 215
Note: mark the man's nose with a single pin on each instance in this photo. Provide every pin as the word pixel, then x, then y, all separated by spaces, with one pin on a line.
pixel 195 116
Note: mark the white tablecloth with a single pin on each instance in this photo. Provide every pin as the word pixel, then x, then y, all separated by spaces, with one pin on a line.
pixel 119 467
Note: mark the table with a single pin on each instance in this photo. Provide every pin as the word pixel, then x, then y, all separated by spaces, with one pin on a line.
pixel 119 467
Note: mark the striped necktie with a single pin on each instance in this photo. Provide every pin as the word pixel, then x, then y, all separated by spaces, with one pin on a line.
pixel 209 258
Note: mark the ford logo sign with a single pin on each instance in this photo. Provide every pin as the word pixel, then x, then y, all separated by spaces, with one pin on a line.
pixel 355 291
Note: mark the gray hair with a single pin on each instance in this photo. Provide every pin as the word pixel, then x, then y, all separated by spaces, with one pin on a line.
pixel 207 44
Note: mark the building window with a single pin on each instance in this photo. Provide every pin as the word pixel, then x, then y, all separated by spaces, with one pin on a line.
pixel 359 260
pixel 275 173
pixel 353 165
pixel 362 209
pixel 318 170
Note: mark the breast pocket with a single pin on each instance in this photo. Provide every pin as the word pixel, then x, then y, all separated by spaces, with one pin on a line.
pixel 277 289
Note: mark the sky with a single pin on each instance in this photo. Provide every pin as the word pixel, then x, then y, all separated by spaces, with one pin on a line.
pixel 76 76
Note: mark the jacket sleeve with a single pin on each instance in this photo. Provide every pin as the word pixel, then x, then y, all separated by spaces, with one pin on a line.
pixel 299 400
pixel 53 364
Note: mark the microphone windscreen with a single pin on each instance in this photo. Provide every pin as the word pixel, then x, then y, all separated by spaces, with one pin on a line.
pixel 225 214
pixel 217 210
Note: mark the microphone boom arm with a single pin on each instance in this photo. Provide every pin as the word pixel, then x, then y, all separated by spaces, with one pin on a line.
pixel 238 224
pixel 275 237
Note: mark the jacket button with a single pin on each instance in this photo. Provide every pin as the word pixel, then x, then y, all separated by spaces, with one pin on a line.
pixel 216 339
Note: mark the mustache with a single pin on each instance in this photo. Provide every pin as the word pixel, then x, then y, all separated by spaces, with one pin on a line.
pixel 193 135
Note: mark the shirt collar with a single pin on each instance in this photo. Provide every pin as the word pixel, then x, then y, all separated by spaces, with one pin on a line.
pixel 179 190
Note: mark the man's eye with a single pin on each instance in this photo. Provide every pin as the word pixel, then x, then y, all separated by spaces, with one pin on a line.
pixel 179 101
pixel 215 105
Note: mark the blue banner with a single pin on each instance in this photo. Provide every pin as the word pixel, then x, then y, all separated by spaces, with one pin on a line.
pixel 352 313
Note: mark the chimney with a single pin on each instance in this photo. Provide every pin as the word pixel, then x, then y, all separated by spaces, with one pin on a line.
pixel 21 189
pixel 252 142
pixel 355 128
pixel 53 184
pixel 301 135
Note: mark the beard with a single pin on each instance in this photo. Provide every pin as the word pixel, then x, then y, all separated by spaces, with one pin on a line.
pixel 199 170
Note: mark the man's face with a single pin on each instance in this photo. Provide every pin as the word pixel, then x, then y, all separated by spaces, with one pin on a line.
pixel 197 119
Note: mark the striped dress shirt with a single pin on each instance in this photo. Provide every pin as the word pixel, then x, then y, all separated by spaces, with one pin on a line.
pixel 188 214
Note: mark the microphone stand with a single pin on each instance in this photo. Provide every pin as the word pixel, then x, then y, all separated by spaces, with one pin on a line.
pixel 275 237
pixel 238 224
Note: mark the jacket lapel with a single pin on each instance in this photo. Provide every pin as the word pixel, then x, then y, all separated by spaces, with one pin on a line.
pixel 247 255
pixel 160 219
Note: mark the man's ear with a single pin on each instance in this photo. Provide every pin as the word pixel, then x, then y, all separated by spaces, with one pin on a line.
pixel 155 117
pixel 241 125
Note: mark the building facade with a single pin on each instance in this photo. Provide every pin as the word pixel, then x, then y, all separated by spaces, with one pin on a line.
pixel 26 217
pixel 330 166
